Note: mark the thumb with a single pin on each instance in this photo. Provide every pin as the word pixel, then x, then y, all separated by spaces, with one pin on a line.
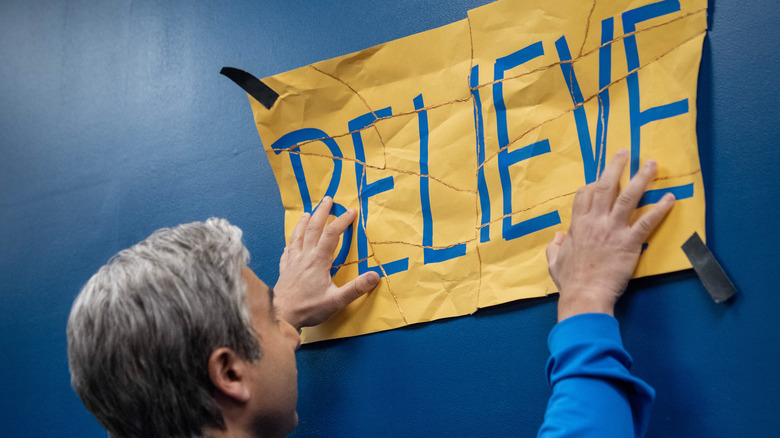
pixel 358 287
pixel 554 247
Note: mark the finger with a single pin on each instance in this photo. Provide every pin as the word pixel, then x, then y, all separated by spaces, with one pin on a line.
pixel 650 220
pixel 554 247
pixel 559 236
pixel 606 188
pixel 356 288
pixel 283 259
pixel 317 222
pixel 296 238
pixel 582 200
pixel 629 198
pixel 330 237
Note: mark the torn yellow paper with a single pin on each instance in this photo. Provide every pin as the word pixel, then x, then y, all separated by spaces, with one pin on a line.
pixel 462 147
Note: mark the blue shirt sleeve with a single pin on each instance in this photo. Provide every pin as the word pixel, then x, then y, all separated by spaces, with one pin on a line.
pixel 594 395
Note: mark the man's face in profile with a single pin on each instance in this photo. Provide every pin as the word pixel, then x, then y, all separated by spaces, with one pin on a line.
pixel 274 376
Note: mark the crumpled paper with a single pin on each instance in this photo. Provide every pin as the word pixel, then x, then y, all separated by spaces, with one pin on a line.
pixel 462 147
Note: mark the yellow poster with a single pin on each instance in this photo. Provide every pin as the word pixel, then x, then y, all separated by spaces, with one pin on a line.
pixel 461 147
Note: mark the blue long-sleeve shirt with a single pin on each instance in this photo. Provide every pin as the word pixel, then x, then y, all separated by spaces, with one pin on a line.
pixel 594 395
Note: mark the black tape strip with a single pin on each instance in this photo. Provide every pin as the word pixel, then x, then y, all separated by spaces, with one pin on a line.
pixel 255 87
pixel 708 269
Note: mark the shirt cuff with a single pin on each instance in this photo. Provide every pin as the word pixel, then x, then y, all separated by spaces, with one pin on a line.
pixel 586 327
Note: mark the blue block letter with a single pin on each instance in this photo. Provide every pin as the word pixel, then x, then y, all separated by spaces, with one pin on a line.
pixel 365 191
pixel 430 255
pixel 289 141
pixel 506 158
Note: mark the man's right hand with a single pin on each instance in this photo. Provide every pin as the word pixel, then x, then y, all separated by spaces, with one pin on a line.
pixel 305 294
pixel 592 263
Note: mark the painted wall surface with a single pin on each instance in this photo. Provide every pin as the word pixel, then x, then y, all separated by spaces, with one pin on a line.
pixel 114 121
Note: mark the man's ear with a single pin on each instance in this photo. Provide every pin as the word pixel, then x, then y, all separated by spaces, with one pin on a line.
pixel 229 374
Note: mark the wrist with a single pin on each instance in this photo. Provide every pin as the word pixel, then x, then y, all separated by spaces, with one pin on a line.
pixel 286 311
pixel 295 322
pixel 573 303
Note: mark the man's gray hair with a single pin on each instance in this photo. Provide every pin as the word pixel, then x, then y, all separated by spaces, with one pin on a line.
pixel 142 329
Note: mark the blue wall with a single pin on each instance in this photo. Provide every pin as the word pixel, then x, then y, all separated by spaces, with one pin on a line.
pixel 114 121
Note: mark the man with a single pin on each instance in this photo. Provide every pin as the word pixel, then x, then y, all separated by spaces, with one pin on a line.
pixel 176 337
